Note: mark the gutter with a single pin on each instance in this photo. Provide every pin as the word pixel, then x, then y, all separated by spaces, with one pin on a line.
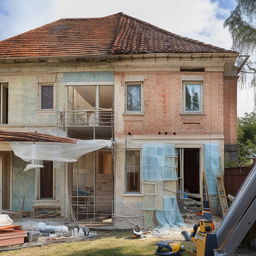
pixel 118 57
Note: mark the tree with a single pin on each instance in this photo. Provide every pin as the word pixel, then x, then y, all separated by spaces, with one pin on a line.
pixel 242 26
pixel 247 138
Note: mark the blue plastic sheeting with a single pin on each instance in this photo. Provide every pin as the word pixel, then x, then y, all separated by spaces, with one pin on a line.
pixel 170 215
pixel 212 167
pixel 159 162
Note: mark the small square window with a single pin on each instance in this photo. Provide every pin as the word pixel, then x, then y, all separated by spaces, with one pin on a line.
pixel 46 92
pixel 132 171
pixel 133 98
pixel 192 92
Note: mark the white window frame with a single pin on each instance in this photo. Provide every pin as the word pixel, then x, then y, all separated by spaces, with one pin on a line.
pixel 40 98
pixel 140 172
pixel 141 99
pixel 201 106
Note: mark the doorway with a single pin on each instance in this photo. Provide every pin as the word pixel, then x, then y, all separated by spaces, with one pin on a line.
pixel 189 172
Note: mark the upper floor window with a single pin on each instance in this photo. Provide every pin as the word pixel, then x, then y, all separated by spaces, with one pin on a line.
pixel 133 98
pixel 4 98
pixel 192 97
pixel 46 97
pixel 132 169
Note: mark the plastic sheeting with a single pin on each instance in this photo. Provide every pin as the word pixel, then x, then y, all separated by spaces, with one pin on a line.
pixel 212 167
pixel 159 174
pixel 61 152
pixel 170 215
pixel 159 162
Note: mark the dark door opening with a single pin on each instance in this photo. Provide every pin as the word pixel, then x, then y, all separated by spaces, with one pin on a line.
pixel 46 180
pixel 192 170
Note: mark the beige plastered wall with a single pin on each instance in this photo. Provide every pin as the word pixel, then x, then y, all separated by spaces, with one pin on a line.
pixel 162 112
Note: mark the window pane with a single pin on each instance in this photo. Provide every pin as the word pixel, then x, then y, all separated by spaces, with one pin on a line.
pixel 133 97
pixel 133 171
pixel 192 97
pixel 47 97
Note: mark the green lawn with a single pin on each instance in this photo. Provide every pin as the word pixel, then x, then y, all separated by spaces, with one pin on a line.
pixel 107 244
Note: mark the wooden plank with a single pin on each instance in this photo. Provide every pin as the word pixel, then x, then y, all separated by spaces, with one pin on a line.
pixel 222 195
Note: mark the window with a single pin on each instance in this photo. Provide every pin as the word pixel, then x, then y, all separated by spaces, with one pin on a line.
pixel 133 98
pixel 192 93
pixel 105 162
pixel 4 97
pixel 132 171
pixel 46 180
pixel 46 92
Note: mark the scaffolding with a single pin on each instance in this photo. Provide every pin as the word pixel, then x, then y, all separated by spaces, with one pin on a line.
pixel 90 115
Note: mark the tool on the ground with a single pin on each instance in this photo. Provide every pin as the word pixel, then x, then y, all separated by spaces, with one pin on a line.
pixel 234 227
pixel 136 232
pixel 169 248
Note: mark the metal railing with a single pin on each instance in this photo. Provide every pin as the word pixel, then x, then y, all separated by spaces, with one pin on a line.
pixel 85 118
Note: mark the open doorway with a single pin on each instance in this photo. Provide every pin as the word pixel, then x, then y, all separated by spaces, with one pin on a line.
pixel 189 173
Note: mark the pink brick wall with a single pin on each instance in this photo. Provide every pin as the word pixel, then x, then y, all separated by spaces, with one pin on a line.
pixel 163 106
pixel 230 110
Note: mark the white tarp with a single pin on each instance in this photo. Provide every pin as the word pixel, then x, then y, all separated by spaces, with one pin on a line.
pixel 61 152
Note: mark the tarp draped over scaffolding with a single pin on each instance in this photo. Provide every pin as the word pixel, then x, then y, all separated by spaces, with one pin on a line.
pixel 160 176
pixel 212 170
pixel 61 152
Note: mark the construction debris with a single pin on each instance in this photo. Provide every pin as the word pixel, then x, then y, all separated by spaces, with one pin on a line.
pixel 10 234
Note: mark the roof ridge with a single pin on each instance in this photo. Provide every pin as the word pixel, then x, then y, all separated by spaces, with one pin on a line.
pixel 92 18
pixel 173 34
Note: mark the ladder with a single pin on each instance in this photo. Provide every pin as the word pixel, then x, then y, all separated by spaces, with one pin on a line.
pixel 222 195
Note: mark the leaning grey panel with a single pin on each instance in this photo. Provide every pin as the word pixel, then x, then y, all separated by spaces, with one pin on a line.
pixel 242 200
pixel 238 233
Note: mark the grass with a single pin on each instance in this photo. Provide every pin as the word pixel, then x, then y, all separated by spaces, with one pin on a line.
pixel 107 244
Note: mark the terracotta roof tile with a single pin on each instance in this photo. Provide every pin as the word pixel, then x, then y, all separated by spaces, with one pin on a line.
pixel 115 34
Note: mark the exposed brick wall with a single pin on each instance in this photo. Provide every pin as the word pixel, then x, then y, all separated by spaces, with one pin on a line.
pixel 162 93
pixel 230 110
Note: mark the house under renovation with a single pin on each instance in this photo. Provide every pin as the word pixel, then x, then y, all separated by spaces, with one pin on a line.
pixel 151 115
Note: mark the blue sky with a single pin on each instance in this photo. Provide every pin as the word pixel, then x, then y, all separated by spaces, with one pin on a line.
pixel 197 19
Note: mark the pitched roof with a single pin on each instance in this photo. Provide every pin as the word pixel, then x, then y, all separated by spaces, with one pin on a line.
pixel 114 34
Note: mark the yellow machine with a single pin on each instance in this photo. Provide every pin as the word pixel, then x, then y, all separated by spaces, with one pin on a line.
pixel 205 241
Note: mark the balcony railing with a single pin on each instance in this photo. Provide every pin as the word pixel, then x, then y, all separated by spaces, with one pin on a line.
pixel 85 118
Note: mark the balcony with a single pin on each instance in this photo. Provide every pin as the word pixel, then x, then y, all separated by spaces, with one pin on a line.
pixel 87 124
